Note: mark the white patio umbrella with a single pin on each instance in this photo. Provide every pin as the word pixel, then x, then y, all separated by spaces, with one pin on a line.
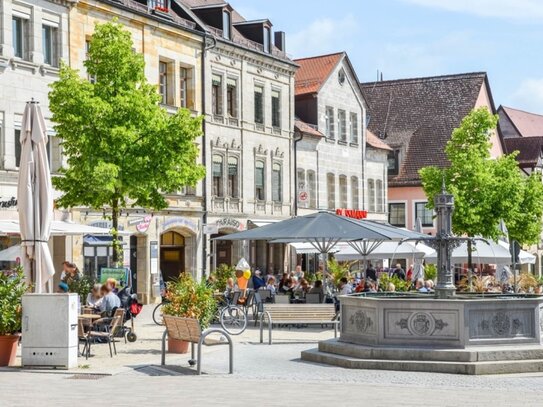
pixel 386 250
pixel 483 252
pixel 35 200
pixel 11 253
pixel 523 257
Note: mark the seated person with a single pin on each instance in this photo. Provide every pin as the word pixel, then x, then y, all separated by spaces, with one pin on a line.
pixel 344 287
pixel 112 283
pixel 429 284
pixel 94 298
pixel 231 287
pixel 258 281
pixel 420 286
pixel 287 286
pixel 271 285
pixel 110 301
pixel 317 288
pixel 369 287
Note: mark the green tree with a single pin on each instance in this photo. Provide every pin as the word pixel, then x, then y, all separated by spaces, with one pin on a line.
pixel 486 190
pixel 123 149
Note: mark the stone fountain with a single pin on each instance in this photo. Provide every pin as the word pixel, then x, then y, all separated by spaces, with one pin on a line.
pixel 445 333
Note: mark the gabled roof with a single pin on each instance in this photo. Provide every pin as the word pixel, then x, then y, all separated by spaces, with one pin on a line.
pixel 530 150
pixel 527 124
pixel 418 116
pixel 306 129
pixel 314 71
pixel 373 141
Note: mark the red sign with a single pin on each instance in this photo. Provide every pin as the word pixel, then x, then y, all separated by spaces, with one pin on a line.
pixel 352 213
pixel 303 196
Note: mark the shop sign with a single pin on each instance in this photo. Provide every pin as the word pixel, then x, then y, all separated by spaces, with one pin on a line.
pixel 106 224
pixel 8 202
pixel 211 229
pixel 180 222
pixel 230 223
pixel 142 223
pixel 352 213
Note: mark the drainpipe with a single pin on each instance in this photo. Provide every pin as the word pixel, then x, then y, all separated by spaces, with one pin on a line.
pixel 205 48
pixel 296 141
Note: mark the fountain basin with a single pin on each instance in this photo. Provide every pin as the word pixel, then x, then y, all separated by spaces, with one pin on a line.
pixel 467 334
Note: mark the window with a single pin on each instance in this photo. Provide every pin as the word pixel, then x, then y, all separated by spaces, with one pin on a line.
pixel 226 24
pixel 396 214
pixel 343 191
pixel 90 78
pixel 231 97
pixel 371 195
pixel 259 181
pixel 216 94
pixel 50 41
pixel 163 81
pixel 312 189
pixel 354 128
pixel 233 177
pixel 379 193
pixel 218 175
pixel 331 190
pixel 266 40
pixel 276 109
pixel 17 147
pixel 183 86
pixel 341 76
pixel 424 214
pixel 259 104
pixel 342 124
pixel 354 193
pixel 21 37
pixel 329 118
pixel 277 190
pixel 394 162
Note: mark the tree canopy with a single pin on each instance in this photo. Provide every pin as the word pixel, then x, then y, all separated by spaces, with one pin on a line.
pixel 123 149
pixel 487 190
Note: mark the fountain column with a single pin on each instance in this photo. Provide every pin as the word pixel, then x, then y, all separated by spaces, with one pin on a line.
pixel 444 206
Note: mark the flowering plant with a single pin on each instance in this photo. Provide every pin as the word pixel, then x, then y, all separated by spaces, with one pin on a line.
pixel 12 288
pixel 188 298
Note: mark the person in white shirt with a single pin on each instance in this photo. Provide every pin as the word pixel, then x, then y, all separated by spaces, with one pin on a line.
pixel 94 299
pixel 344 287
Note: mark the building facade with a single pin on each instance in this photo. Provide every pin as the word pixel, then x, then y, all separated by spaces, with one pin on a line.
pixel 33 41
pixel 416 118
pixel 338 167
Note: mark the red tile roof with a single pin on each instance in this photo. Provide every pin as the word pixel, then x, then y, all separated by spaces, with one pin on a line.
pixel 375 142
pixel 305 128
pixel 314 71
pixel 528 124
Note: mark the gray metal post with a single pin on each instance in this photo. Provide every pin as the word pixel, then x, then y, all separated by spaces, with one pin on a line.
pixel 444 206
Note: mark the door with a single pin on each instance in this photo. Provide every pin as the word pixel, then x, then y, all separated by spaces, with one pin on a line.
pixel 172 255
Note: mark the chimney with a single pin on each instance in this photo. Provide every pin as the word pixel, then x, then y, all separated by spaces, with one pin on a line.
pixel 280 40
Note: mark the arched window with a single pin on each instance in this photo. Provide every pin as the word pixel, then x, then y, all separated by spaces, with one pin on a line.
pixel 218 171
pixel 260 194
pixel 354 193
pixel 343 191
pixel 379 193
pixel 312 189
pixel 233 177
pixel 172 239
pixel 331 190
pixel 277 179
pixel 371 195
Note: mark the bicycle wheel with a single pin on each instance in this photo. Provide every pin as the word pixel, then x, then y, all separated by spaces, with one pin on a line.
pixel 157 314
pixel 233 320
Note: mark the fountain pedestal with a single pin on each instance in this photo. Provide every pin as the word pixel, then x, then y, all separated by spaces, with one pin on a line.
pixel 465 334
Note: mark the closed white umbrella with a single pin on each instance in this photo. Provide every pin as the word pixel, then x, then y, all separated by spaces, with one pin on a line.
pixel 35 200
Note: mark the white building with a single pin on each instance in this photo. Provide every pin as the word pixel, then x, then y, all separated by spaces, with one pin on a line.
pixel 33 41
pixel 340 166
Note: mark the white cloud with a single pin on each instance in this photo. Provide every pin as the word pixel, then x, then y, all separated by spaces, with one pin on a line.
pixel 322 36
pixel 529 95
pixel 509 9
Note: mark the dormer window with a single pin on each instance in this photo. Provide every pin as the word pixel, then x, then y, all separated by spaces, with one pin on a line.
pixel 226 24
pixel 159 5
pixel 266 40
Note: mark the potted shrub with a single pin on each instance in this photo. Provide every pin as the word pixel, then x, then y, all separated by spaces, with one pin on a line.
pixel 12 288
pixel 188 298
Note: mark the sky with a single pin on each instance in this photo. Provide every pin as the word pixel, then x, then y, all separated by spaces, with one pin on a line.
pixel 413 38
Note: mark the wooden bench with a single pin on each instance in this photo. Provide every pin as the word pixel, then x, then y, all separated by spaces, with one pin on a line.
pixel 307 314
pixel 189 330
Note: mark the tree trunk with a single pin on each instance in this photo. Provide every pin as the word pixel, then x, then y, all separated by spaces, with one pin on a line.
pixel 117 249
pixel 470 265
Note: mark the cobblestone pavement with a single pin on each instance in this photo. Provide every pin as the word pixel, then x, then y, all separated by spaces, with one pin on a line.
pixel 264 375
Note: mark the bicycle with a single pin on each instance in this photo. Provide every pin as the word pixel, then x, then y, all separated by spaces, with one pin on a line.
pixel 233 317
pixel 157 313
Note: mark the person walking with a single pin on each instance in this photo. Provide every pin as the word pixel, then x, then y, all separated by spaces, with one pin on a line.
pixel 399 272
